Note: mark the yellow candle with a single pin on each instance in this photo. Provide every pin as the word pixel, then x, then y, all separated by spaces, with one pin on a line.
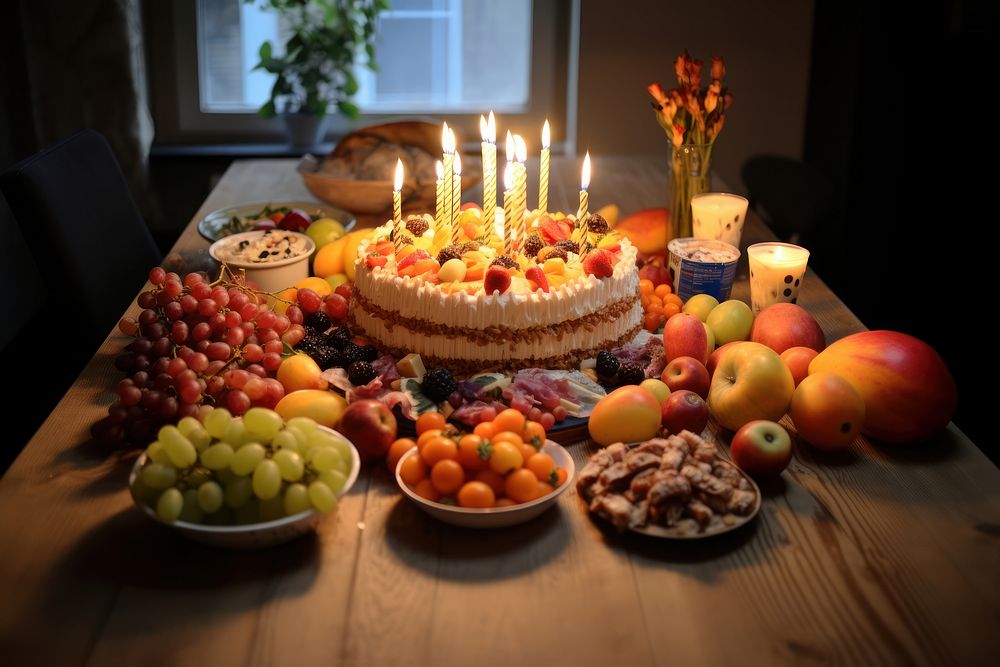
pixel 508 209
pixel 439 199
pixel 448 148
pixel 543 175
pixel 520 187
pixel 456 198
pixel 581 213
pixel 488 129
pixel 776 273
pixel 397 206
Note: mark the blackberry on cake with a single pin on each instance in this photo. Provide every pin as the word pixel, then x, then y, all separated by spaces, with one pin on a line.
pixel 360 373
pixel 631 374
pixel 438 383
pixel 607 365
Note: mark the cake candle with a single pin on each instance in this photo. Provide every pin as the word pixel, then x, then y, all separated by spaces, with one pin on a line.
pixel 508 210
pixel 456 198
pixel 397 206
pixel 543 174
pixel 520 187
pixel 488 129
pixel 581 213
pixel 448 158
pixel 439 199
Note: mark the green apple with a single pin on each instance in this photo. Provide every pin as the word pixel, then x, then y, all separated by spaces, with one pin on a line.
pixel 657 388
pixel 325 230
pixel 730 321
pixel 700 305
pixel 337 279
pixel 711 338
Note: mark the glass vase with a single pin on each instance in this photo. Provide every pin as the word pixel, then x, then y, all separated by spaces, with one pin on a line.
pixel 690 175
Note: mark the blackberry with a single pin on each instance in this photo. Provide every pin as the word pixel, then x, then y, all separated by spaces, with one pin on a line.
pixel 360 372
pixel 533 244
pixel 417 226
pixel 339 337
pixel 504 260
pixel 318 321
pixel 326 357
pixel 449 252
pixel 350 354
pixel 438 384
pixel 597 224
pixel 368 353
pixel 569 245
pixel 310 343
pixel 631 374
pixel 607 365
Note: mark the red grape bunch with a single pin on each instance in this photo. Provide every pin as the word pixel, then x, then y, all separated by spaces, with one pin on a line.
pixel 197 343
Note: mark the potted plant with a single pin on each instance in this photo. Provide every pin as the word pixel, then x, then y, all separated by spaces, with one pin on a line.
pixel 316 69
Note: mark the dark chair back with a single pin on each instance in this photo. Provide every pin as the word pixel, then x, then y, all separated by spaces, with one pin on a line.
pixel 18 271
pixel 76 213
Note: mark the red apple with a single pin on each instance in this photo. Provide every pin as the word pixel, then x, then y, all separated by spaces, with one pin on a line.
pixel 684 411
pixel 751 382
pixel 784 325
pixel 371 426
pixel 687 373
pixel 713 359
pixel 797 359
pixel 685 336
pixel 761 448
pixel 908 391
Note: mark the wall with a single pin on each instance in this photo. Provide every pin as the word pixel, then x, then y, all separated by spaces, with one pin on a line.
pixel 627 44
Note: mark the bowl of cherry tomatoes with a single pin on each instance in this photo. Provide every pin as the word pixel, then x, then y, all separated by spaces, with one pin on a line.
pixel 504 473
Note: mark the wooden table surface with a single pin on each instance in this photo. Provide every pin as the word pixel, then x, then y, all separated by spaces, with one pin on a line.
pixel 876 556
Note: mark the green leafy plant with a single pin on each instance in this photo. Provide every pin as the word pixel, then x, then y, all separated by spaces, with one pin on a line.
pixel 317 67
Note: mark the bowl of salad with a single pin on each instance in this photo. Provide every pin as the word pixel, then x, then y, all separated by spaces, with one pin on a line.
pixel 293 216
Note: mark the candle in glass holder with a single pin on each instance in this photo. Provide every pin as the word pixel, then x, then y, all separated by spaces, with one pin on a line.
pixel 488 129
pixel 456 198
pixel 543 174
pixel 508 209
pixel 397 206
pixel 581 212
pixel 718 216
pixel 448 159
pixel 776 273
pixel 439 195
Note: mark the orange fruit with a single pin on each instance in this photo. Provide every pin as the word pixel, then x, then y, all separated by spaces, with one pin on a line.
pixel 509 420
pixel 318 285
pixel 430 420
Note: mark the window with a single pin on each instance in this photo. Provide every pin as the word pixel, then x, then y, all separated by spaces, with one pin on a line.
pixel 452 59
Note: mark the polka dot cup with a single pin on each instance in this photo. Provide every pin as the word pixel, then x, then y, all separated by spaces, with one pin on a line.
pixel 719 216
pixel 776 273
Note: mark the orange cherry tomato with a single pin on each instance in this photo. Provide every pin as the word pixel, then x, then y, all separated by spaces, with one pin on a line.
pixel 412 469
pixel 673 298
pixel 430 420
pixel 470 452
pixel 439 449
pixel 544 489
pixel 662 290
pixel 427 436
pixel 646 286
pixel 396 451
pixel 521 485
pixel 509 420
pixel 670 309
pixel 534 433
pixel 492 479
pixel 543 466
pixel 561 477
pixel 507 436
pixel 484 430
pixel 476 494
pixel 506 456
pixel 527 451
pixel 425 489
pixel 447 476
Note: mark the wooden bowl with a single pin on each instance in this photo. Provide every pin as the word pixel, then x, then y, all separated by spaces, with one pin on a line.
pixel 367 197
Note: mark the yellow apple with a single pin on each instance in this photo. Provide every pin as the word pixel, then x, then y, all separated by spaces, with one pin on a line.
pixel 750 382
pixel 628 414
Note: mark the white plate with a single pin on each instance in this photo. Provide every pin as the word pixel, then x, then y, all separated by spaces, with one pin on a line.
pixel 494 517
pixel 213 226
pixel 254 535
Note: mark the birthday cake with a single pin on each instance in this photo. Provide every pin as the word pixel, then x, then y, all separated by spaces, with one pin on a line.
pixel 471 304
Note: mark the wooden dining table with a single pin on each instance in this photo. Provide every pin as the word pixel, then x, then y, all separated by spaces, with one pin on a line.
pixel 878 555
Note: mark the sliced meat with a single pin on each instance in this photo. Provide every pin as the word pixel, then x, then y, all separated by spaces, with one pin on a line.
pixel 616 476
pixel 641 484
pixel 638 461
pixel 669 486
pixel 615 508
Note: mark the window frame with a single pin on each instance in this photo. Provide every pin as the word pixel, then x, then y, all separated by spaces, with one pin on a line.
pixel 171 31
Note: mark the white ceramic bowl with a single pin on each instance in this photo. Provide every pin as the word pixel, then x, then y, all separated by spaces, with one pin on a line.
pixel 254 535
pixel 270 276
pixel 494 517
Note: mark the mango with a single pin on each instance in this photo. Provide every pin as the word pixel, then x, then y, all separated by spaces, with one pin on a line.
pixel 648 229
pixel 324 407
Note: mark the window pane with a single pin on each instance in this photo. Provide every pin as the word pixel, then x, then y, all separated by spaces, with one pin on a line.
pixel 433 55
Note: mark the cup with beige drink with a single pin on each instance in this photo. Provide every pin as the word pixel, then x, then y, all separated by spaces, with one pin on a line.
pixel 718 216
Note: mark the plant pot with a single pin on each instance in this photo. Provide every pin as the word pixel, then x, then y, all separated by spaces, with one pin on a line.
pixel 304 129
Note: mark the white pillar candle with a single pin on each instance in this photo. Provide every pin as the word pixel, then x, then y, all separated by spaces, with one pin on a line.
pixel 776 273
pixel 718 216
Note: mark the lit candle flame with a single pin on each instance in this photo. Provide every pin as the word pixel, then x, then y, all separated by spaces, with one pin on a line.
pixel 521 149
pixel 778 252
pixel 483 130
pixel 511 147
pixel 491 126
pixel 447 139
pixel 508 176
pixel 585 177
pixel 546 135
pixel 397 184
pixel 458 164
pixel 440 169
